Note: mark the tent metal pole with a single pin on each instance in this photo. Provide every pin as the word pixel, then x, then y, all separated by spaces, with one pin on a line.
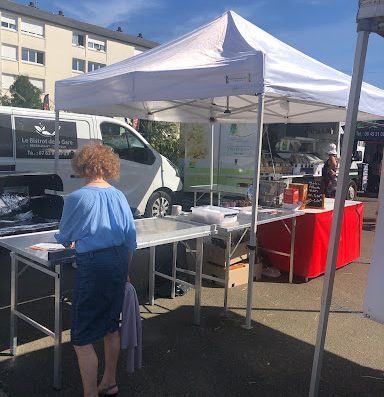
pixel 255 202
pixel 211 168
pixel 57 141
pixel 341 192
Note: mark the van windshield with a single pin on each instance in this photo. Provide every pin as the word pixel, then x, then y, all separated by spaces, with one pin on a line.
pixel 114 135
pixel 126 144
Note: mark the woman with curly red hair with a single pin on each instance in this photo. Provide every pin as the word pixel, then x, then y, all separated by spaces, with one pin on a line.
pixel 98 221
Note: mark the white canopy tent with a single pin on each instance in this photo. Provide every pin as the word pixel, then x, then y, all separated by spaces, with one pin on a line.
pixel 190 78
pixel 228 71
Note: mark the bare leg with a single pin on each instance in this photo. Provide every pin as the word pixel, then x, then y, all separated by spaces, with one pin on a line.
pixel 87 359
pixel 111 352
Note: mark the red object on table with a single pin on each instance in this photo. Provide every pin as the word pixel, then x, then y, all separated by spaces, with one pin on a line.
pixel 312 239
pixel 291 196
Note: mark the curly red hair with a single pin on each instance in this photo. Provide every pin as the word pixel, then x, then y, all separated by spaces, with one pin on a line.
pixel 96 161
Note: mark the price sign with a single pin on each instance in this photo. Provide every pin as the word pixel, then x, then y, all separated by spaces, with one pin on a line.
pixel 315 195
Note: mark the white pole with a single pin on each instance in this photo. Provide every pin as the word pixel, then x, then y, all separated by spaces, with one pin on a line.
pixel 255 202
pixel 57 141
pixel 211 170
pixel 341 192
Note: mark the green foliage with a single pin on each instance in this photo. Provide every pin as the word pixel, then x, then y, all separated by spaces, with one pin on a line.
pixel 23 94
pixel 163 136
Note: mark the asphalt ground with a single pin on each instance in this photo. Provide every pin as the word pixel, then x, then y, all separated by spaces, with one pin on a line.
pixel 219 358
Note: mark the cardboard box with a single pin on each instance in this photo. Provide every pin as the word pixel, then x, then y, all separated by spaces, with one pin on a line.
pixel 291 196
pixel 303 192
pixel 302 188
pixel 238 273
pixel 215 254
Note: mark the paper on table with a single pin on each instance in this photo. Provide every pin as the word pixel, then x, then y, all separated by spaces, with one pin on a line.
pixel 47 246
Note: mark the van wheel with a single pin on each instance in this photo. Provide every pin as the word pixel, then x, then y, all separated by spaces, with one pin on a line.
pixel 352 191
pixel 159 204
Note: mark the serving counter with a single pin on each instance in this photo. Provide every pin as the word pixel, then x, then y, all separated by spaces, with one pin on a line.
pixel 312 239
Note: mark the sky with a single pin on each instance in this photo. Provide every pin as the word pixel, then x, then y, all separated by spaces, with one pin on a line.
pixel 322 29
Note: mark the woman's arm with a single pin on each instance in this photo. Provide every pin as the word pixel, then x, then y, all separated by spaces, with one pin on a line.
pixel 333 163
pixel 130 228
pixel 71 218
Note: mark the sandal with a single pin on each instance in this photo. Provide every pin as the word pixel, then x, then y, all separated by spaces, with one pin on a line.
pixel 105 391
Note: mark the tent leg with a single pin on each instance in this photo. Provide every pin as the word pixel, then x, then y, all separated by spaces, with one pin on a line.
pixel 211 167
pixel 57 140
pixel 341 192
pixel 255 201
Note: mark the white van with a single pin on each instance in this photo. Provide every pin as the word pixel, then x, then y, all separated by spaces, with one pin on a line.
pixel 27 139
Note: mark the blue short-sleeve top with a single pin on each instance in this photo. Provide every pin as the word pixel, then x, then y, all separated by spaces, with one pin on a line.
pixel 95 218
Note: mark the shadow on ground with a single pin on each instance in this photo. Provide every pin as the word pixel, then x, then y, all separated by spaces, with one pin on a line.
pixel 218 358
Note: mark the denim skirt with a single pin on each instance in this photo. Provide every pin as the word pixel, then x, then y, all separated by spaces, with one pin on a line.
pixel 98 293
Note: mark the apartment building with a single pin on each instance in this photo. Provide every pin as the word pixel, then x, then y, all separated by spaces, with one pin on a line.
pixel 48 47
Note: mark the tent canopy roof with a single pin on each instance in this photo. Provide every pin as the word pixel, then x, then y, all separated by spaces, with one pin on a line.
pixel 217 71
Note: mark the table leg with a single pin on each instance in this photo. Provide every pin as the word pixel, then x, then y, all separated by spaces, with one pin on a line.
pixel 194 198
pixel 199 266
pixel 174 262
pixel 292 252
pixel 227 265
pixel 152 259
pixel 58 329
pixel 218 198
pixel 14 299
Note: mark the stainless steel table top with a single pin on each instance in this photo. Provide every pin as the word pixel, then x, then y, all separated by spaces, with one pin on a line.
pixel 20 245
pixel 150 232
pixel 158 231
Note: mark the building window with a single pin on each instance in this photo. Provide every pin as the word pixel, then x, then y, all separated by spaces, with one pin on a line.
pixel 78 65
pixel 38 83
pixel 94 66
pixel 9 52
pixel 33 28
pixel 8 22
pixel 78 39
pixel 33 56
pixel 96 44
pixel 7 80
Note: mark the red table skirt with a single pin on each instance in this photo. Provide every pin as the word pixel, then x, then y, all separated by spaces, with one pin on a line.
pixel 312 238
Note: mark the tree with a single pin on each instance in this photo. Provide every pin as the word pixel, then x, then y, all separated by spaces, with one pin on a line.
pixel 23 94
pixel 163 136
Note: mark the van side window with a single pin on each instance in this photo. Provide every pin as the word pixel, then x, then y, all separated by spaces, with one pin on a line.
pixel 6 141
pixel 126 144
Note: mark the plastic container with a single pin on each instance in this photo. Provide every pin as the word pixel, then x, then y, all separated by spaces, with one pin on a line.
pixel 207 215
pixel 199 215
pixel 225 211
pixel 176 210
